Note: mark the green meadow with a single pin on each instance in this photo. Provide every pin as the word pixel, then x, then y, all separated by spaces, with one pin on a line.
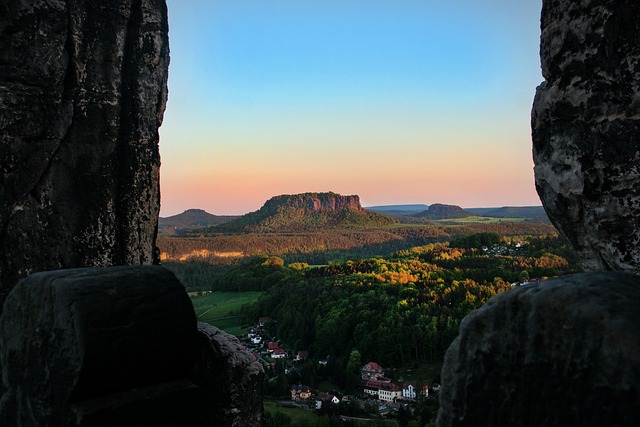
pixel 222 309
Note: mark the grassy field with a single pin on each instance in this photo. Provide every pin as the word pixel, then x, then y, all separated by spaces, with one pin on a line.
pixel 222 309
pixel 299 416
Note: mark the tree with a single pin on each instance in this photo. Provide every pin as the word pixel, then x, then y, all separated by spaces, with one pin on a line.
pixel 355 362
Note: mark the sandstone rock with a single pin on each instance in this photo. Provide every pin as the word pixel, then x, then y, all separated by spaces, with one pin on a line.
pixel 230 378
pixel 82 94
pixel 97 343
pixel 565 352
pixel 586 128
pixel 315 202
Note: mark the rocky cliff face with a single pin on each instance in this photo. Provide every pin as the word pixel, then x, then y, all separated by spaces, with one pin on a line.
pixel 315 202
pixel 82 94
pixel 586 128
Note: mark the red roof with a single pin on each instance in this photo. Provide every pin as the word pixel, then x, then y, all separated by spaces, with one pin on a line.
pixel 389 386
pixel 373 384
pixel 278 351
pixel 373 366
pixel 303 354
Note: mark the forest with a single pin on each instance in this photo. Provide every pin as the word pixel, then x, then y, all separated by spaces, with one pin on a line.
pixel 398 310
pixel 401 310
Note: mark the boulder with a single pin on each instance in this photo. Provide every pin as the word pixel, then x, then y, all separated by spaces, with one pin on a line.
pixel 230 378
pixel 97 343
pixel 565 352
pixel 586 128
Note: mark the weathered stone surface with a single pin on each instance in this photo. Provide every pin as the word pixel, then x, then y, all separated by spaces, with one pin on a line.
pixel 586 128
pixel 230 378
pixel 82 94
pixel 97 342
pixel 565 352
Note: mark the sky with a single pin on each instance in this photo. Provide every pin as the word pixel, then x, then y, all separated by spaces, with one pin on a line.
pixel 397 101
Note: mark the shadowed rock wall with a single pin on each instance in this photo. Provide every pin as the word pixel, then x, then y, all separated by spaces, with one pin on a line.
pixel 586 128
pixel 82 94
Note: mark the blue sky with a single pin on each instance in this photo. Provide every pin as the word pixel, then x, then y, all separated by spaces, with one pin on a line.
pixel 397 101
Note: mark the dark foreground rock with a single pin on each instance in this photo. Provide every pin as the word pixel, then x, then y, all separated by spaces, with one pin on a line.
pixel 586 128
pixel 565 352
pixel 119 346
pixel 230 377
pixel 82 94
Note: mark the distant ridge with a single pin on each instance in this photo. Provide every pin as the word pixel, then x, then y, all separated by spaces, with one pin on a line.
pixel 189 220
pixel 533 212
pixel 400 210
pixel 307 211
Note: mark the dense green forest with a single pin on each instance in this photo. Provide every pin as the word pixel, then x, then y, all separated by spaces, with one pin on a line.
pixel 397 310
pixel 401 310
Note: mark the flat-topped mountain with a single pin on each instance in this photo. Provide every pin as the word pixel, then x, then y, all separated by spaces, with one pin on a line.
pixel 314 202
pixel 307 211
pixel 441 211
pixel 190 219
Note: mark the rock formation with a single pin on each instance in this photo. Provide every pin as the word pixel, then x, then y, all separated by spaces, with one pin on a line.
pixel 230 379
pixel 83 86
pixel 586 128
pixel 304 212
pixel 82 94
pixel 120 346
pixel 315 202
pixel 441 211
pixel 564 353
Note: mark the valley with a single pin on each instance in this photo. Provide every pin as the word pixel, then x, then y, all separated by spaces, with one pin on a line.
pixel 386 288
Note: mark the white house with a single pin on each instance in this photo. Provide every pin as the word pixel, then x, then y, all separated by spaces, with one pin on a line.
pixel 409 390
pixel 279 353
pixel 389 392
pixel 371 388
pixel 325 399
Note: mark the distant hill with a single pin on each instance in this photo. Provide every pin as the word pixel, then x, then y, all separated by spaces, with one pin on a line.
pixel 400 210
pixel 307 211
pixel 441 211
pixel 189 220
pixel 510 212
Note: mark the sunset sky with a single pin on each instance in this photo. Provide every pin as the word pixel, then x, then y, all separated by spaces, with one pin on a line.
pixel 407 101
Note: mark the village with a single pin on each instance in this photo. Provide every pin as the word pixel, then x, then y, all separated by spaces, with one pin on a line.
pixel 376 391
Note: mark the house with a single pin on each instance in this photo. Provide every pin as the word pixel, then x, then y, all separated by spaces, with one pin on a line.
pixel 389 392
pixel 409 390
pixel 325 399
pixel 371 388
pixel 323 362
pixel 425 391
pixel 302 355
pixel 300 392
pixel 272 346
pixel 279 353
pixel 371 371
pixel 263 320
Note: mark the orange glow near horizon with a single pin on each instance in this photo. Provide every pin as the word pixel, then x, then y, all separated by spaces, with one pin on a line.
pixel 424 103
